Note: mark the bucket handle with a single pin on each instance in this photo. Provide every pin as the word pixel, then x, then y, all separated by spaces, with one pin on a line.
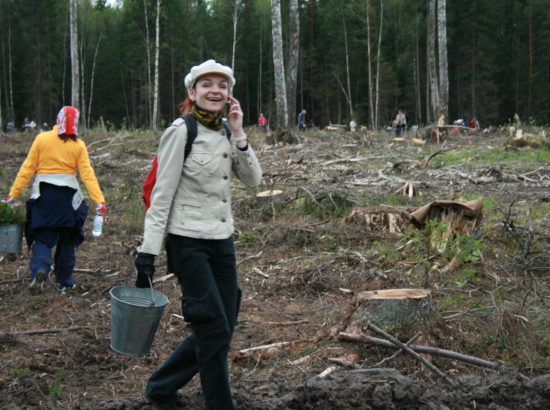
pixel 151 288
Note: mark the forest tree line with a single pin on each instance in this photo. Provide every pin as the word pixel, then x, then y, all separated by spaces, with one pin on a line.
pixel 355 58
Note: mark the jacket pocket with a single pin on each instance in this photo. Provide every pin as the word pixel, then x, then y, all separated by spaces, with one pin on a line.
pixel 204 162
pixel 198 310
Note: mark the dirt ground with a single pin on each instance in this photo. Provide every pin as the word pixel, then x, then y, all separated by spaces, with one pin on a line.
pixel 299 272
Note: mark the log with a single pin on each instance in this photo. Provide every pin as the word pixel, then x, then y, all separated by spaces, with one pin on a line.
pixel 394 307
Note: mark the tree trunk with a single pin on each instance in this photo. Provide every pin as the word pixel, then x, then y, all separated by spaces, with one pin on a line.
pixel 9 86
pixel 377 104
pixel 92 82
pixel 530 60
pixel 431 63
pixel 260 71
pixel 154 122
pixel 443 66
pixel 293 56
pixel 75 64
pixel 418 83
pixel 348 80
pixel 148 51
pixel 236 10
pixel 83 109
pixel 278 65
pixel 369 65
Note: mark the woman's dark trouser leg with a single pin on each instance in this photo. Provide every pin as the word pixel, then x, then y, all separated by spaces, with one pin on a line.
pixel 41 257
pixel 65 256
pixel 207 274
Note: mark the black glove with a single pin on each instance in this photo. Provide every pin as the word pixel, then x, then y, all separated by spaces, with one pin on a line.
pixel 145 265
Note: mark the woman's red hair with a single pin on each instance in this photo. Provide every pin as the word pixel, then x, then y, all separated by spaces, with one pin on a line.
pixel 185 106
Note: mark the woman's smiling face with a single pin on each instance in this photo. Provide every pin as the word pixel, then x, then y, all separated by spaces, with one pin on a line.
pixel 210 92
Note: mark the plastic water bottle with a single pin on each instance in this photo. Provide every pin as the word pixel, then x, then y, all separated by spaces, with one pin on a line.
pixel 97 227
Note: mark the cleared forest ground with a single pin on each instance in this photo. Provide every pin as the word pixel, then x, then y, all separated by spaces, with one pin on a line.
pixel 301 264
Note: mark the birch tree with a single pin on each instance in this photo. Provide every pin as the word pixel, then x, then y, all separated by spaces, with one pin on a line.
pixel 148 54
pixel 377 91
pixel 278 64
pixel 236 11
pixel 92 76
pixel 348 80
pixel 431 111
pixel 442 51
pixel 75 64
pixel 369 65
pixel 293 56
pixel 154 121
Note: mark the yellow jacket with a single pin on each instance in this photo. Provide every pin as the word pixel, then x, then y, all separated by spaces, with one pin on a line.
pixel 49 154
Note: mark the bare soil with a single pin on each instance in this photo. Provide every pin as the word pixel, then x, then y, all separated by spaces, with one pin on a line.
pixel 299 273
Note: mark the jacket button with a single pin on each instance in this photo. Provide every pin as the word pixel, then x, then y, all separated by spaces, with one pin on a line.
pixel 225 177
pixel 225 155
pixel 223 219
pixel 224 200
pixel 223 132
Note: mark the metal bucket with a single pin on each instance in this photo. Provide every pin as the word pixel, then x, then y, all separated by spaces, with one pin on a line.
pixel 135 316
pixel 11 238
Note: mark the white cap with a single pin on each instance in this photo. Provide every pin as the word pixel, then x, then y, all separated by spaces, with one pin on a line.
pixel 208 67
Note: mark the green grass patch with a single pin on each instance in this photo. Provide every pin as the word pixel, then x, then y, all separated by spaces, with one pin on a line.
pixel 527 158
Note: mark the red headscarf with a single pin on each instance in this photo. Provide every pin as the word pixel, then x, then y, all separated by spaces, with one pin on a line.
pixel 67 121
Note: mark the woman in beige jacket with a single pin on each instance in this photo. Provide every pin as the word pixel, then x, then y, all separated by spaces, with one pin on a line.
pixel 191 202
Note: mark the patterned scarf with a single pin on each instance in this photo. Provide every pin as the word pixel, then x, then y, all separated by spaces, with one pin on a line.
pixel 212 120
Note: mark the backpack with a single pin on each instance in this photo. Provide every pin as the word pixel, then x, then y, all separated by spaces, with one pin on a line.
pixel 151 177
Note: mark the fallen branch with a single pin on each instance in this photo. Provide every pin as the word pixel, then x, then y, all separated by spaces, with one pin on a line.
pixel 425 162
pixel 326 372
pixel 263 347
pixel 163 278
pixel 398 353
pixel 342 161
pixel 259 272
pixel 44 331
pixel 406 348
pixel 344 362
pixel 250 257
pixel 355 337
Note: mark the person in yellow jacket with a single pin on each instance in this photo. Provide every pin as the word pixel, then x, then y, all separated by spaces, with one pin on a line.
pixel 56 210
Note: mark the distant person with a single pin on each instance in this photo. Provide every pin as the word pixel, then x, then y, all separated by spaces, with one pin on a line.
pixel 353 125
pixel 262 122
pixel 191 203
pixel 56 210
pixel 28 125
pixel 474 124
pixel 400 123
pixel 301 120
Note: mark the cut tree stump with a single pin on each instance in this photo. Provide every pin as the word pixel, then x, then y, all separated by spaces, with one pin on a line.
pixel 394 307
pixel 266 197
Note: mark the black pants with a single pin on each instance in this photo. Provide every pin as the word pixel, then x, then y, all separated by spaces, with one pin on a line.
pixel 206 271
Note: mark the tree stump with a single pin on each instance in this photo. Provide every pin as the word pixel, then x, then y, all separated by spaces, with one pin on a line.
pixel 266 197
pixel 394 307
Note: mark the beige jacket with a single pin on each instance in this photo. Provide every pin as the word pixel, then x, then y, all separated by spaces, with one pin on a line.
pixel 194 198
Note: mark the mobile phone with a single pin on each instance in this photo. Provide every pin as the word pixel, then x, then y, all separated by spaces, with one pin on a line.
pixel 227 105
